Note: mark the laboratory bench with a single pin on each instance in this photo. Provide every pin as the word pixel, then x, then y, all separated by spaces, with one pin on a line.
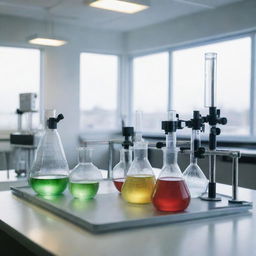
pixel 32 230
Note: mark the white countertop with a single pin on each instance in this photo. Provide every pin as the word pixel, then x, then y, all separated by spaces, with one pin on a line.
pixel 37 228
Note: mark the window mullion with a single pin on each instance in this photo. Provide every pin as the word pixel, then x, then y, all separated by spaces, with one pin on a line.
pixel 253 85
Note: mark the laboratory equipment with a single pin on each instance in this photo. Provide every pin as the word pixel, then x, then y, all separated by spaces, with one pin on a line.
pixel 85 177
pixel 171 192
pixel 121 169
pixel 213 118
pixel 193 175
pixel 140 181
pixel 49 172
pixel 25 140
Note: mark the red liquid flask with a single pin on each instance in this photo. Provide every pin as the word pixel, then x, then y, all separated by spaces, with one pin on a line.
pixel 119 183
pixel 171 194
pixel 121 169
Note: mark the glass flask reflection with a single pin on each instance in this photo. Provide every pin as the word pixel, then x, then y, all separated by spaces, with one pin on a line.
pixel 85 177
pixel 49 172
pixel 171 192
pixel 193 175
pixel 121 169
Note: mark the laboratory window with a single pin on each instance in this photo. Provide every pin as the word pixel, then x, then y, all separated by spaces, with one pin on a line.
pixel 19 73
pixel 98 91
pixel 233 82
pixel 150 89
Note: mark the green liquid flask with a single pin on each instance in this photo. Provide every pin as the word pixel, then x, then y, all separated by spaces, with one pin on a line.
pixel 49 172
pixel 85 177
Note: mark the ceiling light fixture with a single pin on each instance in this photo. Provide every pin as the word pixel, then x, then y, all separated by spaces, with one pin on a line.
pixel 46 41
pixel 124 6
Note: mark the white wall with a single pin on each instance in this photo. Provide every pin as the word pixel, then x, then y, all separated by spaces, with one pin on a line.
pixel 229 20
pixel 61 67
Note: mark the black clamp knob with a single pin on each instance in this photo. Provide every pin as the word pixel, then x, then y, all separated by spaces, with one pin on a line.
pixel 215 131
pixel 223 121
pixel 160 144
pixel 197 122
pixel 127 132
pixel 199 153
pixel 52 121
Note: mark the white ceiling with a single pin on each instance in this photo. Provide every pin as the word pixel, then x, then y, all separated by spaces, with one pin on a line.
pixel 78 13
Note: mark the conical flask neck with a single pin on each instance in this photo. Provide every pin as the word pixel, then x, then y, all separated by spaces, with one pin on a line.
pixel 195 144
pixel 84 155
pixel 170 157
pixel 140 154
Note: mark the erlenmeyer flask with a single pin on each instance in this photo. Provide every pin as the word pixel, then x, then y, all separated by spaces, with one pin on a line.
pixel 139 183
pixel 171 192
pixel 193 175
pixel 121 169
pixel 49 172
pixel 85 177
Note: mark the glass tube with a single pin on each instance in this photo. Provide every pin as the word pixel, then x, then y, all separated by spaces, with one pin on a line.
pixel 138 128
pixel 210 99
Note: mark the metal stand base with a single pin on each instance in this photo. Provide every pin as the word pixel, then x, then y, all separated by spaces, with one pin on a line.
pixel 206 198
pixel 231 201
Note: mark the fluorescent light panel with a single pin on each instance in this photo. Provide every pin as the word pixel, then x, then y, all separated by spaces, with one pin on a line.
pixel 119 6
pixel 46 41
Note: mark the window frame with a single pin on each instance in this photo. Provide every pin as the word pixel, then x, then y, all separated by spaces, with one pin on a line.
pixel 41 78
pixel 252 111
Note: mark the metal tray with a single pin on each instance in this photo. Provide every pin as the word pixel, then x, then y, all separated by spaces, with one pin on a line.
pixel 109 212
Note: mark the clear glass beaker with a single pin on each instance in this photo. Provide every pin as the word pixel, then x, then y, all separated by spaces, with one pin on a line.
pixel 85 177
pixel 171 192
pixel 193 175
pixel 140 181
pixel 121 169
pixel 49 172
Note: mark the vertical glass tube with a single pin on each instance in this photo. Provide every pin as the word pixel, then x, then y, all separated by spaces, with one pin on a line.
pixel 138 128
pixel 126 155
pixel 195 144
pixel 170 153
pixel 210 99
pixel 171 136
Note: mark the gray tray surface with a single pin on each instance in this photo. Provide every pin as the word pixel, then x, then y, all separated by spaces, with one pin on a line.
pixel 108 212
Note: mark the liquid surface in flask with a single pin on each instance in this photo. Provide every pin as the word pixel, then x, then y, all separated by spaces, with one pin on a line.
pixel 83 190
pixel 49 185
pixel 119 183
pixel 171 194
pixel 138 189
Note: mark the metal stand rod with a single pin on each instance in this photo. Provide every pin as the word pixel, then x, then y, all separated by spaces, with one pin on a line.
pixel 229 153
pixel 234 199
pixel 110 159
pixel 234 178
pixel 212 168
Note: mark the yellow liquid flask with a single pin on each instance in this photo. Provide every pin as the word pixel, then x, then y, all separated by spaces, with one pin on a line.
pixel 140 181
